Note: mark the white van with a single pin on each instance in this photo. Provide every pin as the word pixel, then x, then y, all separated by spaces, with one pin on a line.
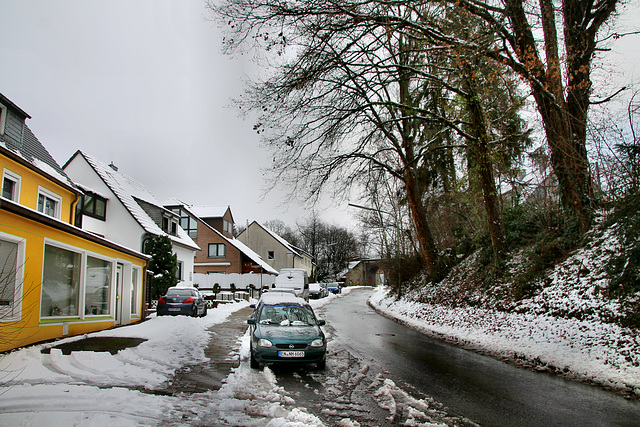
pixel 294 278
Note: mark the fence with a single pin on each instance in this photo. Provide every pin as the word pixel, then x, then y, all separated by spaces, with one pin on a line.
pixel 233 281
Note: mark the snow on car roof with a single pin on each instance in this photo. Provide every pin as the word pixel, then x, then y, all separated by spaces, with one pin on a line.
pixel 277 297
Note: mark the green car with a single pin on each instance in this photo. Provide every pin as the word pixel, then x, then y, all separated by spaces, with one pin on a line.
pixel 284 329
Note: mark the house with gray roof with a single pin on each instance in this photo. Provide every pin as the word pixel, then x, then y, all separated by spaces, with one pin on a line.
pixel 119 208
pixel 274 249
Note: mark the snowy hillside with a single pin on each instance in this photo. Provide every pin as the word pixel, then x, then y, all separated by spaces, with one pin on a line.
pixel 571 325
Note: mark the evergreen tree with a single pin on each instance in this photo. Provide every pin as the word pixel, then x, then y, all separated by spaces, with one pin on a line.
pixel 163 264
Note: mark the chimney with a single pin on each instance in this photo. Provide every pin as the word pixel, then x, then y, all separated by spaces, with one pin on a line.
pixel 114 167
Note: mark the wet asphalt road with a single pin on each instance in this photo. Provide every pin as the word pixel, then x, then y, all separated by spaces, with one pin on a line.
pixel 480 388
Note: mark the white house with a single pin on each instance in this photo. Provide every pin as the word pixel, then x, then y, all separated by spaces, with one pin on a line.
pixel 124 211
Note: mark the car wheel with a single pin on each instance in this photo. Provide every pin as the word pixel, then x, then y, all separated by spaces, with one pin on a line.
pixel 195 311
pixel 205 311
pixel 322 365
pixel 253 361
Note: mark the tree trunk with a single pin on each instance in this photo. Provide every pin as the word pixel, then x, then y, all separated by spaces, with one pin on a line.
pixel 564 119
pixel 482 165
pixel 423 232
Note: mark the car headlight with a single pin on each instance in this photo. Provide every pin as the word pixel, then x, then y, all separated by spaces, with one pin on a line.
pixel 317 343
pixel 264 343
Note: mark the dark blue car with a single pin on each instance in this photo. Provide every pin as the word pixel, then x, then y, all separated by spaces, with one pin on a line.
pixel 185 301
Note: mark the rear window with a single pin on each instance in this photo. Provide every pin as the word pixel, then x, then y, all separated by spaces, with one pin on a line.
pixel 180 292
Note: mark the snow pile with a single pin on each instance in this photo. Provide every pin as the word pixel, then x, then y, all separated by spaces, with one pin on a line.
pixel 97 388
pixel 586 350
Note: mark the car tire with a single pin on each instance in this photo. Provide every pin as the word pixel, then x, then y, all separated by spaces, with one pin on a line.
pixel 205 311
pixel 253 361
pixel 322 365
pixel 195 311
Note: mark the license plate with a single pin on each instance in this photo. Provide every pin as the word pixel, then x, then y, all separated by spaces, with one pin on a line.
pixel 174 308
pixel 291 353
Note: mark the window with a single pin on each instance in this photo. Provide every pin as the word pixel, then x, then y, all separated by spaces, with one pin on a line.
pixel 11 276
pixel 271 255
pixel 179 270
pixel 135 290
pixel 217 250
pixel 187 223
pixel 49 203
pixel 11 186
pixel 94 206
pixel 165 224
pixel 98 286
pixel 227 226
pixel 61 282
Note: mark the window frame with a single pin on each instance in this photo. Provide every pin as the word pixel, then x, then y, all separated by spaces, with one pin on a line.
pixel 17 180
pixel 81 309
pixel 217 252
pixel 271 255
pixel 42 191
pixel 111 285
pixel 136 297
pixel 15 313
pixel 93 213
pixel 179 270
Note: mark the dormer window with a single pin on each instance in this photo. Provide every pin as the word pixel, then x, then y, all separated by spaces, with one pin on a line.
pixel 170 225
pixel 94 206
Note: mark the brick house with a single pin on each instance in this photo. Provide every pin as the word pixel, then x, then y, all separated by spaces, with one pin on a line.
pixel 212 230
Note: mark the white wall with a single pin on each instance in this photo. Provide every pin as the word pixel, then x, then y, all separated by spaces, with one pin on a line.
pixel 186 256
pixel 119 227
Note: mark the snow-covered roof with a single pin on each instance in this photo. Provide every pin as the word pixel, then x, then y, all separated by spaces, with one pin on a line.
pixel 127 190
pixel 30 149
pixel 253 255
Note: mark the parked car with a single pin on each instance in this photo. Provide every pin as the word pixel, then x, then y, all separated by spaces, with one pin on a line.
pixel 294 278
pixel 316 291
pixel 334 287
pixel 186 301
pixel 284 329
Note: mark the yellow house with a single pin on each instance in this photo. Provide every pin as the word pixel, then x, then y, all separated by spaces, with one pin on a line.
pixel 56 279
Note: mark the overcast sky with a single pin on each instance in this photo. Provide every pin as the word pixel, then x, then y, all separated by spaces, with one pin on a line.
pixel 143 84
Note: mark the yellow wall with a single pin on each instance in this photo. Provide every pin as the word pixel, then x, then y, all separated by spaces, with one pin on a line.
pixel 30 329
pixel 30 181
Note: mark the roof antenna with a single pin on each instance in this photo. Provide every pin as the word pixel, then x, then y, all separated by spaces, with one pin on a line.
pixel 112 166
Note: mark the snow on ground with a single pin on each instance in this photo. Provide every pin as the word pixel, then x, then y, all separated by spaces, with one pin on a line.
pixel 96 389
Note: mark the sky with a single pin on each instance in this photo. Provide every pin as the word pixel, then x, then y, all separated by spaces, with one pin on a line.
pixel 143 84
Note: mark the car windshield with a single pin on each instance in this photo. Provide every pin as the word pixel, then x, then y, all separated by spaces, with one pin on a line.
pixel 287 315
pixel 179 293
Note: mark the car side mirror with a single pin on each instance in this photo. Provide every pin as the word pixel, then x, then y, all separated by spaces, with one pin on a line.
pixel 251 321
pixel 321 323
